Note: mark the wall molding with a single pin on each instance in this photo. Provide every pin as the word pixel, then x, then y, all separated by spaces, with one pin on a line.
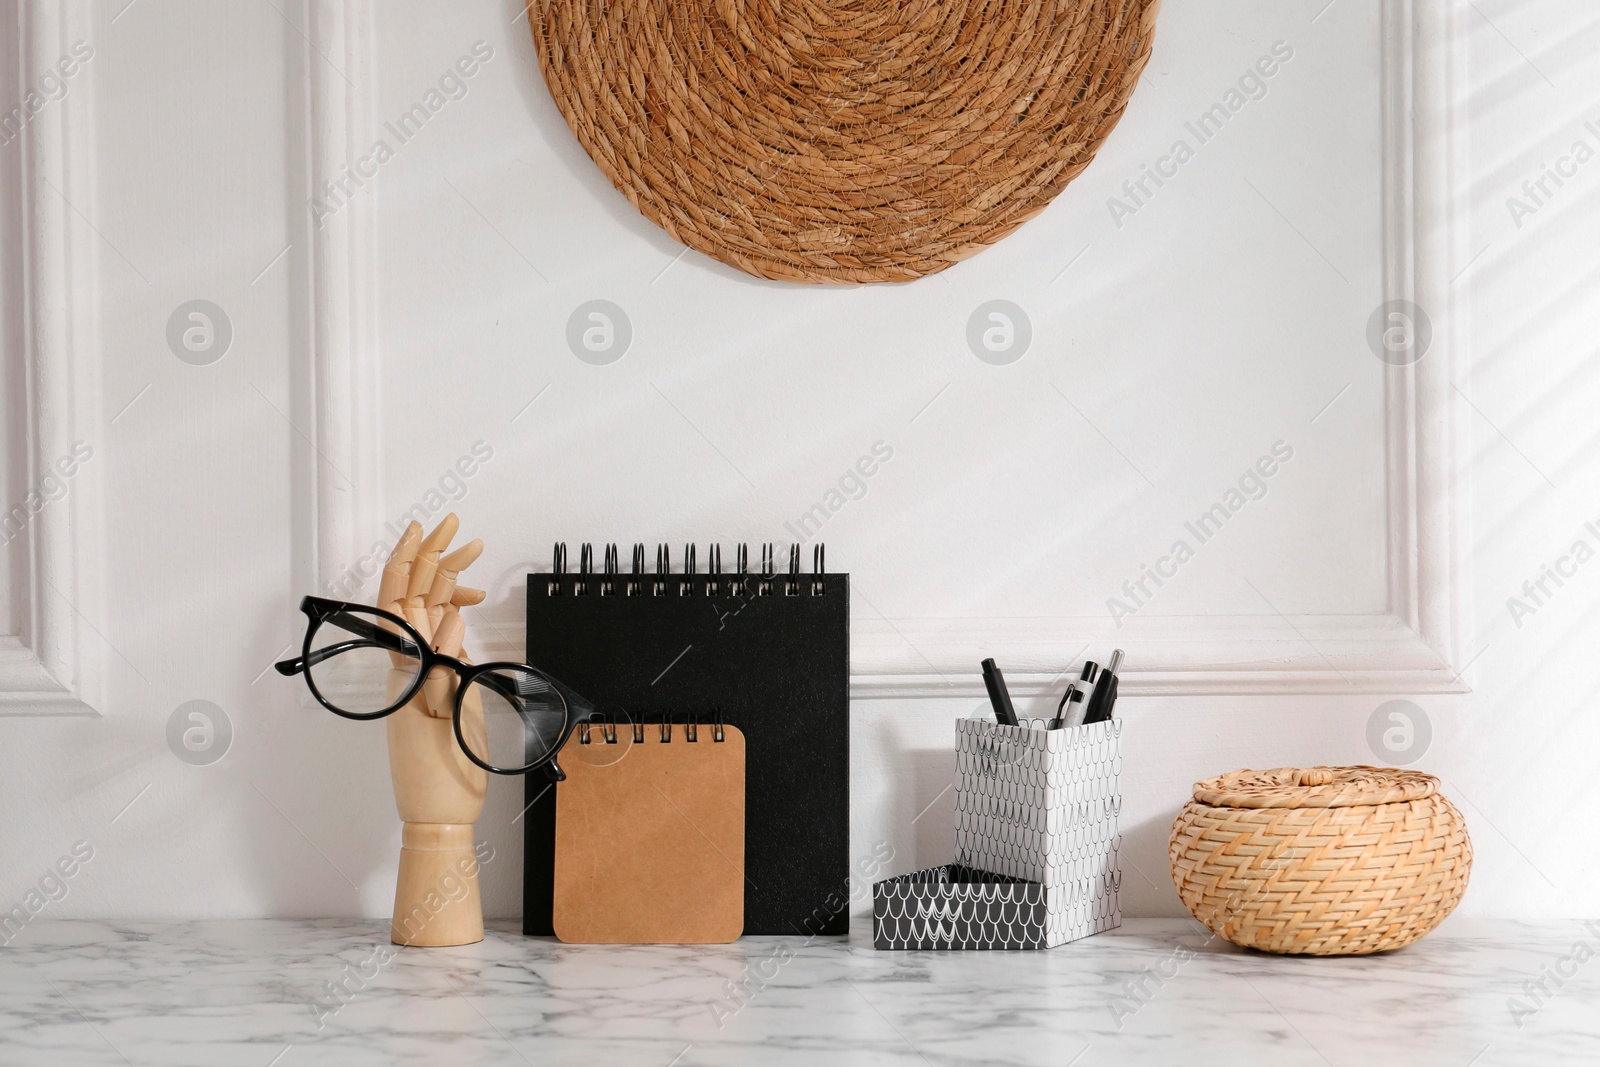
pixel 1411 647
pixel 55 664
pixel 342 476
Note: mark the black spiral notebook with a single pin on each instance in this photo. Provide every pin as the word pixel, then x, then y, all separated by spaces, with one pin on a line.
pixel 767 651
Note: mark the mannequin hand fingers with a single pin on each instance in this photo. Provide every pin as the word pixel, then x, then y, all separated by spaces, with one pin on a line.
pixel 439 693
pixel 451 632
pixel 463 557
pixel 417 616
pixel 427 561
pixel 436 616
pixel 397 571
pixel 473 727
pixel 448 612
pixel 440 687
pixel 465 596
pixel 444 582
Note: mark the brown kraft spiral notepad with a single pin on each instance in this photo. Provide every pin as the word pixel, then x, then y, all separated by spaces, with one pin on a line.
pixel 650 836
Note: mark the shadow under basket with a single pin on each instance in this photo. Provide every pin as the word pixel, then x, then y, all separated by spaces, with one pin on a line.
pixel 956 907
pixel 1320 861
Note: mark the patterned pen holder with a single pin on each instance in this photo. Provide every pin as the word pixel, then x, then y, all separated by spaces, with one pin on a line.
pixel 1042 805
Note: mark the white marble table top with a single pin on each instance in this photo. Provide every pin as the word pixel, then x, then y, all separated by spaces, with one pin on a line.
pixel 257 992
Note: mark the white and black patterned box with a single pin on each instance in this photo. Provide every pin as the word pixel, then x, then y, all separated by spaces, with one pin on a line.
pixel 956 907
pixel 1043 805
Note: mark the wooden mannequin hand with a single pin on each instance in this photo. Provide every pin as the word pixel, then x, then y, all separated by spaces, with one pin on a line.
pixel 421 588
pixel 437 789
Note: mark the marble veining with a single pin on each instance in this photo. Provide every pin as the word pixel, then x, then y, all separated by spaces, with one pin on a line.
pixel 225 992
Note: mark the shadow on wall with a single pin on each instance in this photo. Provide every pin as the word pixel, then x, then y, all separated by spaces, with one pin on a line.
pixel 902 799
pixel 1147 888
pixel 932 827
pixel 307 789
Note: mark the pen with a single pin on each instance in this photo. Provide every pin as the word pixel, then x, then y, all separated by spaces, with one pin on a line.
pixel 995 682
pixel 1065 711
pixel 1105 694
pixel 1111 699
pixel 1073 704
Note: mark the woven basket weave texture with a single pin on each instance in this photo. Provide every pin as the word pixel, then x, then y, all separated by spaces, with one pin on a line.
pixel 841 141
pixel 1320 861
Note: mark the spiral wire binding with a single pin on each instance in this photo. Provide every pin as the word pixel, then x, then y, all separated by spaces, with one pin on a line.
pixel 663 566
pixel 635 581
pixel 691 727
pixel 714 568
pixel 608 731
pixel 632 585
pixel 585 568
pixel 558 567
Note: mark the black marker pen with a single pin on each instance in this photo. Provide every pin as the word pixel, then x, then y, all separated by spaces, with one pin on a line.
pixel 995 682
pixel 1105 694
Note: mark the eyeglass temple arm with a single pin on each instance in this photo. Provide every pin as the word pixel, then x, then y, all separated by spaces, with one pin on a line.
pixel 300 663
pixel 374 637
pixel 514 695
pixel 507 688
pixel 581 708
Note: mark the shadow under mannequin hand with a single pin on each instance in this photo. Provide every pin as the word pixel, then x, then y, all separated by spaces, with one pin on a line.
pixel 438 790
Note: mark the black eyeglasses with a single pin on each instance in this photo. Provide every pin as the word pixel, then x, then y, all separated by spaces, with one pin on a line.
pixel 365 663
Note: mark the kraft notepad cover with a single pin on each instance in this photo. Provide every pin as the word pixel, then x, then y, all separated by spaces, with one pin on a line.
pixel 650 836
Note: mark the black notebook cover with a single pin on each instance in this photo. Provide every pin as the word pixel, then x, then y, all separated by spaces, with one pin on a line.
pixel 777 666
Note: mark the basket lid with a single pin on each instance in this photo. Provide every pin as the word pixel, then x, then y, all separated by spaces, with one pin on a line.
pixel 1314 787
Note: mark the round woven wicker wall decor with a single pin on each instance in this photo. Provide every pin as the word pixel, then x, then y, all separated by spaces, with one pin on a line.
pixel 841 140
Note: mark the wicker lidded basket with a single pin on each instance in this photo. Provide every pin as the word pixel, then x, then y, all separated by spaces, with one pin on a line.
pixel 1322 861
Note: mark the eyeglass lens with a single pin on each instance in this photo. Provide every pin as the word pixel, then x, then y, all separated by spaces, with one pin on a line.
pixel 512 718
pixel 360 663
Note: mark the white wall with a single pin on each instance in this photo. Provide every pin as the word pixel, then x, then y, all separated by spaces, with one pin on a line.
pixel 1217 319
